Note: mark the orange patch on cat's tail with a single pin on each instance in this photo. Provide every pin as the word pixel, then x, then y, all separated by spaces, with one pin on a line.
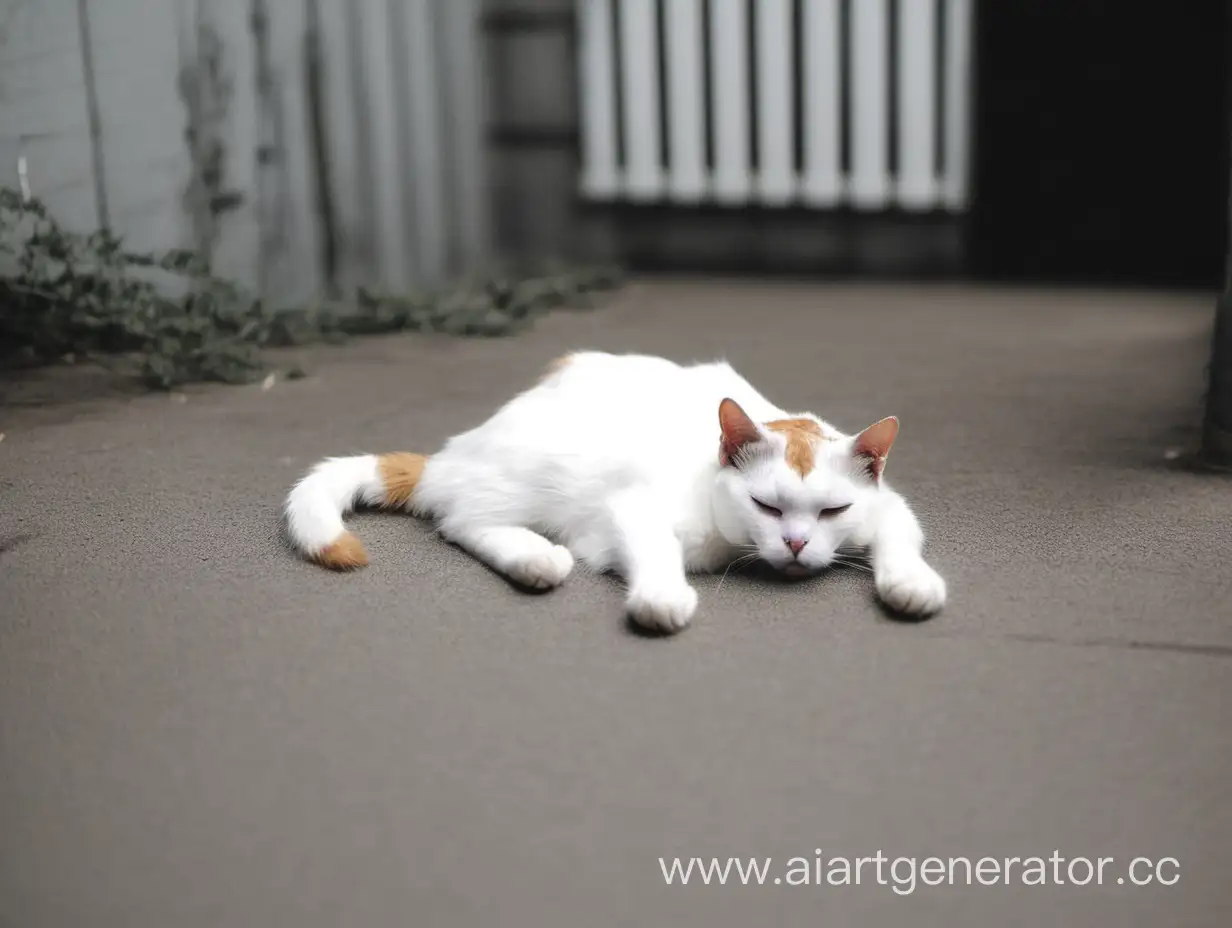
pixel 317 505
pixel 400 473
pixel 345 553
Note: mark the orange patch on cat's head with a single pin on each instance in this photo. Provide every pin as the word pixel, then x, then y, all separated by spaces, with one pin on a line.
pixel 802 436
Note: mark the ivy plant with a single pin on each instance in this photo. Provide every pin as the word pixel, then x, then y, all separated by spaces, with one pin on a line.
pixel 166 317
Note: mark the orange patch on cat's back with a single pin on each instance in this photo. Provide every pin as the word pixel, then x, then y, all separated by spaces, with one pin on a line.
pixel 555 367
pixel 346 552
pixel 802 436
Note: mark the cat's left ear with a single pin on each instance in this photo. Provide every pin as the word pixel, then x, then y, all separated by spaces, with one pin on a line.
pixel 738 431
pixel 872 446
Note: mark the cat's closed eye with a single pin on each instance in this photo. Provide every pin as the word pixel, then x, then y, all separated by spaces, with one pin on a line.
pixel 768 510
pixel 833 511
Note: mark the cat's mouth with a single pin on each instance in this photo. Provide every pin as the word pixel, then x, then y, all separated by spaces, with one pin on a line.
pixel 796 569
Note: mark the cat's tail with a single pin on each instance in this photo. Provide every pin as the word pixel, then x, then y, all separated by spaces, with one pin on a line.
pixel 316 505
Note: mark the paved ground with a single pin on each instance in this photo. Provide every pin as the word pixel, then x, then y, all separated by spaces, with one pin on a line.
pixel 196 729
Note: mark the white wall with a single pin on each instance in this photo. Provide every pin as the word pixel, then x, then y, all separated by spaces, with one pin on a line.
pixel 403 121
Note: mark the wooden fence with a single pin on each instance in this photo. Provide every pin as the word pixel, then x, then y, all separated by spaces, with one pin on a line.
pixel 307 146
pixel 813 103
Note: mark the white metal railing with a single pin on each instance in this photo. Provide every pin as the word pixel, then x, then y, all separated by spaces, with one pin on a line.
pixel 800 143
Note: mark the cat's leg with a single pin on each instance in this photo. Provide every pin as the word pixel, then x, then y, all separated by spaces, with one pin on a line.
pixel 651 560
pixel 523 556
pixel 904 581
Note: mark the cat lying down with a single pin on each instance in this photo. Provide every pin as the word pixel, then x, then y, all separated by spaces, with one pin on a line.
pixel 647 468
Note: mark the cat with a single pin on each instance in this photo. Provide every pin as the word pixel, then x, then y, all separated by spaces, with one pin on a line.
pixel 638 465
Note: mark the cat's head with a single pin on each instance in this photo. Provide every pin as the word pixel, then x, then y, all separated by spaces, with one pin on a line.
pixel 793 491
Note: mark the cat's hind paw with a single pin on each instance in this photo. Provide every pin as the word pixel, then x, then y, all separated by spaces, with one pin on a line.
pixel 666 609
pixel 543 570
pixel 911 588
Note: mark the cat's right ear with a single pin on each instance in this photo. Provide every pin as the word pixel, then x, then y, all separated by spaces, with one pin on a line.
pixel 738 431
pixel 873 445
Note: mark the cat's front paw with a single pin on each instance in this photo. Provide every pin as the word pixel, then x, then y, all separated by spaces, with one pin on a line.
pixel 910 587
pixel 543 570
pixel 664 608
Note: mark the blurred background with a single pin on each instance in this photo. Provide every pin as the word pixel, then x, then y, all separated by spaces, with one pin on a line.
pixel 309 146
pixel 301 150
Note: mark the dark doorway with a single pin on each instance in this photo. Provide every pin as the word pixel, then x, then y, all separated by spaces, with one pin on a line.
pixel 1101 142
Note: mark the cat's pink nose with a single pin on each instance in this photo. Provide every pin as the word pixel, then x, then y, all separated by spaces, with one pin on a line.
pixel 795 544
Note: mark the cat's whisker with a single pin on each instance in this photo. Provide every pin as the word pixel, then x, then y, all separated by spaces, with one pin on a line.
pixel 842 561
pixel 742 561
pixel 855 552
pixel 850 558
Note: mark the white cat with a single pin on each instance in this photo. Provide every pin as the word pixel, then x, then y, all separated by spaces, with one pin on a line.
pixel 644 467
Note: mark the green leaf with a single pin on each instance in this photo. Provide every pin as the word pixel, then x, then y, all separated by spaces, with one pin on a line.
pixel 62 292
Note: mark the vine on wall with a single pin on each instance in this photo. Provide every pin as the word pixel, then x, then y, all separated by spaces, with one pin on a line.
pixel 169 320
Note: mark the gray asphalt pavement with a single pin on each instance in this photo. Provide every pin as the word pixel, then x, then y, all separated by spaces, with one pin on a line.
pixel 196 729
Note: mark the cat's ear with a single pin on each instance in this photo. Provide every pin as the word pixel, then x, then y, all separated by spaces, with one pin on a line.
pixel 872 446
pixel 738 431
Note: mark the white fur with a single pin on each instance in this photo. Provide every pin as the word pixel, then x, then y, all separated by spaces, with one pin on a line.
pixel 317 504
pixel 616 459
